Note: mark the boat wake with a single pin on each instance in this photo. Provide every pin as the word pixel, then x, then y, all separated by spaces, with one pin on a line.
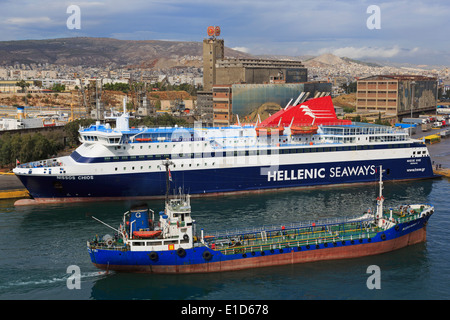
pixel 50 281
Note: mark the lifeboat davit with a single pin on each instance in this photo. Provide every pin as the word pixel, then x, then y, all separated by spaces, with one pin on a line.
pixel 268 131
pixel 304 129
pixel 147 234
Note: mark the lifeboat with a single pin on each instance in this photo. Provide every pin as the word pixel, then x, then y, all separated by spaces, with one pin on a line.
pixel 143 139
pixel 146 234
pixel 303 130
pixel 268 131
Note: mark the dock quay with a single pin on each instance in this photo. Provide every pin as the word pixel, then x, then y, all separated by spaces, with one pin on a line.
pixel 11 187
pixel 445 172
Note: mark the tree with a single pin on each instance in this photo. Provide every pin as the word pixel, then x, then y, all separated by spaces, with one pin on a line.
pixel 27 147
pixel 23 84
pixel 5 149
pixel 58 87
pixel 349 88
pixel 72 128
pixel 119 86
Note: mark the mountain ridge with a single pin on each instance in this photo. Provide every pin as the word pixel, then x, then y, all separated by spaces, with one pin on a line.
pixel 93 52
pixel 111 52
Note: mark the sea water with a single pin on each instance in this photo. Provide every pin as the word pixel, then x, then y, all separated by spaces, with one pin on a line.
pixel 41 245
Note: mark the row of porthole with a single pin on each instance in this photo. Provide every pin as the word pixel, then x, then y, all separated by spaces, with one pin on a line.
pixel 159 167
pixel 165 146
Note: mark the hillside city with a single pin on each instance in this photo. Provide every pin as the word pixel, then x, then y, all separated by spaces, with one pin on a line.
pixel 326 67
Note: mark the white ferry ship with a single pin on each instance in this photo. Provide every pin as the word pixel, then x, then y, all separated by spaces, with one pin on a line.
pixel 301 145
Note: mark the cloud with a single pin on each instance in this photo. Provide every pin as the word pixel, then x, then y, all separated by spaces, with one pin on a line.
pixel 242 49
pixel 285 27
pixel 22 21
pixel 363 52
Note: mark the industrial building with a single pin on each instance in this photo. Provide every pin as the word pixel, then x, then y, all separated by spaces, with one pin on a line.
pixel 259 71
pixel 10 86
pixel 396 96
pixel 213 50
pixel 239 86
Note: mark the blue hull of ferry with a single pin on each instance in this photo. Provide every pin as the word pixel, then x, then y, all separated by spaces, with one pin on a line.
pixel 194 260
pixel 235 179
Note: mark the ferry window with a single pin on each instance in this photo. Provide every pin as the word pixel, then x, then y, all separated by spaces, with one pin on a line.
pixel 142 167
pixel 154 243
pixel 115 168
pixel 124 168
pixel 138 243
pixel 149 167
pixel 107 158
pixel 132 168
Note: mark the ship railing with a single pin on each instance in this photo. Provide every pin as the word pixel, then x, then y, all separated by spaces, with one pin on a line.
pixel 308 242
pixel 297 225
pixel 102 245
pixel 50 163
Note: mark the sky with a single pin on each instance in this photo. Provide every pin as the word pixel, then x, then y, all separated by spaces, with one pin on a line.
pixel 413 31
